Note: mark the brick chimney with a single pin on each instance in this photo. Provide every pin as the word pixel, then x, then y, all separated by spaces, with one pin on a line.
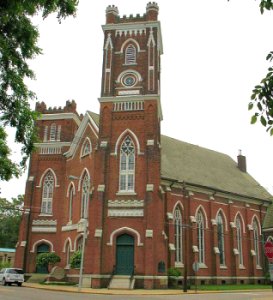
pixel 241 161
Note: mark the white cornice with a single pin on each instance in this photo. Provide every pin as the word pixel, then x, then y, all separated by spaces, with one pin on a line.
pixel 137 26
pixel 60 116
pixel 52 144
pixel 87 119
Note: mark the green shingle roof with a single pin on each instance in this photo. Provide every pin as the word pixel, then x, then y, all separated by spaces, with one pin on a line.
pixel 268 220
pixel 200 166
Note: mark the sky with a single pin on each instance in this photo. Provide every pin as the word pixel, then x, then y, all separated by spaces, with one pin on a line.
pixel 214 54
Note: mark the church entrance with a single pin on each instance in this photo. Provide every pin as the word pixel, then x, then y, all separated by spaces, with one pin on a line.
pixel 42 248
pixel 125 254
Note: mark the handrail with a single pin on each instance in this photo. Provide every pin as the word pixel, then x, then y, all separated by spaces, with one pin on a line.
pixel 112 275
pixel 132 275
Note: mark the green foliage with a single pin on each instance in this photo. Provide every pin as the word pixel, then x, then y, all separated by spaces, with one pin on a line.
pixel 46 259
pixel 19 44
pixel 5 264
pixel 262 100
pixel 174 272
pixel 262 94
pixel 10 218
pixel 75 260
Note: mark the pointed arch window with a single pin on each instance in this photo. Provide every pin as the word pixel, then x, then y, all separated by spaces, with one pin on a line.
pixel 86 147
pixel 256 242
pixel 130 55
pixel 47 195
pixel 239 239
pixel 201 236
pixel 127 166
pixel 220 237
pixel 85 194
pixel 45 133
pixel 70 207
pixel 178 235
pixel 52 136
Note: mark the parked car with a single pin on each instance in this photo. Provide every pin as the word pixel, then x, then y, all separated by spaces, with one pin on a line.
pixel 11 275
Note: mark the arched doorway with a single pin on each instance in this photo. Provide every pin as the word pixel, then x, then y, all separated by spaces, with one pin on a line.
pixel 125 254
pixel 42 248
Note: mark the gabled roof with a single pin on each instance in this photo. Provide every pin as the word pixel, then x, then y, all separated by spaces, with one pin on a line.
pixel 200 166
pixel 268 220
pixel 89 118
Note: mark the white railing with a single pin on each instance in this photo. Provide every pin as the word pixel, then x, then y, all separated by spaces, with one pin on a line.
pixel 51 150
pixel 129 106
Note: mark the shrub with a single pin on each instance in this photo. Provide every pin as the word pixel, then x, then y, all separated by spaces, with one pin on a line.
pixel 75 260
pixel 46 259
pixel 5 264
pixel 174 272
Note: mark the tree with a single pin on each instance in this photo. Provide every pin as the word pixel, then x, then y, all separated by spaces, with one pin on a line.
pixel 10 217
pixel 18 44
pixel 262 94
pixel 75 260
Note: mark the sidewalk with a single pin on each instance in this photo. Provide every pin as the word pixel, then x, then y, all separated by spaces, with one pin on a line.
pixel 74 289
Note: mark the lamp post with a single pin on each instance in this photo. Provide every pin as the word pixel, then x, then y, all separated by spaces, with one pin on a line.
pixel 84 222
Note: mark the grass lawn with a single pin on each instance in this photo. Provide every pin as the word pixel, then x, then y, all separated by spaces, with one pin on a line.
pixel 229 287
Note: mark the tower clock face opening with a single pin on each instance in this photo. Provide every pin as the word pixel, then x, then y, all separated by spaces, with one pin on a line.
pixel 129 80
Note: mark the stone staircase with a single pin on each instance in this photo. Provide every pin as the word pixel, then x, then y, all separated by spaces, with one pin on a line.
pixel 122 282
pixel 35 277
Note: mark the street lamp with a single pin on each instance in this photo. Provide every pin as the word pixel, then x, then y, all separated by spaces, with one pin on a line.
pixel 84 222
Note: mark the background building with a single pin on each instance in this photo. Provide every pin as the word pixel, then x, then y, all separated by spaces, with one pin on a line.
pixel 148 202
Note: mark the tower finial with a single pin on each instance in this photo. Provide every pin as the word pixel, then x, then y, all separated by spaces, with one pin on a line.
pixel 152 11
pixel 111 13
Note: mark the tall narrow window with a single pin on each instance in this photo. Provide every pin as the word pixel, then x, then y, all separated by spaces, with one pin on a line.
pixel 45 133
pixel 67 249
pixel 59 133
pixel 239 239
pixel 47 196
pixel 256 241
pixel 70 208
pixel 221 239
pixel 52 136
pixel 127 166
pixel 85 194
pixel 201 236
pixel 130 55
pixel 178 235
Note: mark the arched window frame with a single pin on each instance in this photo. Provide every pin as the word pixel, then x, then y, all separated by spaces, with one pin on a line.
pixel 130 54
pixel 201 236
pixel 86 147
pixel 221 238
pixel 178 235
pixel 71 194
pixel 256 241
pixel 127 165
pixel 85 196
pixel 238 224
pixel 47 193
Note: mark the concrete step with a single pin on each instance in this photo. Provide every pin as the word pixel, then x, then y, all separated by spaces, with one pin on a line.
pixel 122 282
pixel 35 277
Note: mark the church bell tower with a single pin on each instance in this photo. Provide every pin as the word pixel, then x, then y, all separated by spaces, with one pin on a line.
pixel 129 144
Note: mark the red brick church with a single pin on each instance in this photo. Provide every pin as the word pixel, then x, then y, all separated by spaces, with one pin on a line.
pixel 148 202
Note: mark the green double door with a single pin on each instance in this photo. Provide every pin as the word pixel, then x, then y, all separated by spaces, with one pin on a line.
pixel 125 254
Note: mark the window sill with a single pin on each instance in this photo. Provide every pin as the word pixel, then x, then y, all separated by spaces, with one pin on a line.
pixel 178 264
pixel 242 267
pixel 126 193
pixel 45 215
pixel 202 266
pixel 258 267
pixel 223 267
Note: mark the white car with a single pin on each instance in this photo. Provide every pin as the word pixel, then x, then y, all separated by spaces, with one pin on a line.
pixel 11 275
